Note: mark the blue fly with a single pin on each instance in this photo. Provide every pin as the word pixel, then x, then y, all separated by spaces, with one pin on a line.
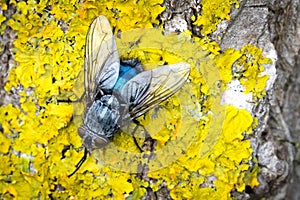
pixel 117 92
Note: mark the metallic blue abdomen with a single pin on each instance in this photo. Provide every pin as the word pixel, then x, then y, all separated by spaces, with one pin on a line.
pixel 126 73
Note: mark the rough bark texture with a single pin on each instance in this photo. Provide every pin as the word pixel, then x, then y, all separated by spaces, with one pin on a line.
pixel 284 123
pixel 7 58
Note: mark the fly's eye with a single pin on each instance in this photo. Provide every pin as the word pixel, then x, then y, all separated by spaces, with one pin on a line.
pixel 81 132
pixel 100 142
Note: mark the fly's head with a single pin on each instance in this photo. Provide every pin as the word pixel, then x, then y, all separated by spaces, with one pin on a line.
pixel 92 141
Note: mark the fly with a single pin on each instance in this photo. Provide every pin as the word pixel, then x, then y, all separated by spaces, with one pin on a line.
pixel 117 92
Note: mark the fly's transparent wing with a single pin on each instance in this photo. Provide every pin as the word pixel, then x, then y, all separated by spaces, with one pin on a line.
pixel 151 87
pixel 102 61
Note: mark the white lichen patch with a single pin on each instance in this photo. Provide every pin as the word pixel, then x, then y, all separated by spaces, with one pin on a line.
pixel 270 69
pixel 235 96
pixel 177 24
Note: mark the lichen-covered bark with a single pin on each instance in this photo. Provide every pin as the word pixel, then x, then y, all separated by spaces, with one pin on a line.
pixel 194 158
pixel 267 24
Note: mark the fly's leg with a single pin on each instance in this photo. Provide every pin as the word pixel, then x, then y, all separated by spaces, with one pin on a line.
pixel 68 100
pixel 149 143
pixel 81 161
pixel 134 138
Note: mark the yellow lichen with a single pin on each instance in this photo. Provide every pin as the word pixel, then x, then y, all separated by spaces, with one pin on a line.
pixel 213 12
pixel 200 150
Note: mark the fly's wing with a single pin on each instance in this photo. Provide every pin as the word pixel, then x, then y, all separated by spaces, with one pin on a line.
pixel 102 61
pixel 151 87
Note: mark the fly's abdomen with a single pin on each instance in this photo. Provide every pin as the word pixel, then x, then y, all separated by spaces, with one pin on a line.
pixel 102 117
pixel 128 69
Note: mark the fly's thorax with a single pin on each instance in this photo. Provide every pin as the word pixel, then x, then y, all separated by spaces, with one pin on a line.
pixel 100 122
pixel 110 101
